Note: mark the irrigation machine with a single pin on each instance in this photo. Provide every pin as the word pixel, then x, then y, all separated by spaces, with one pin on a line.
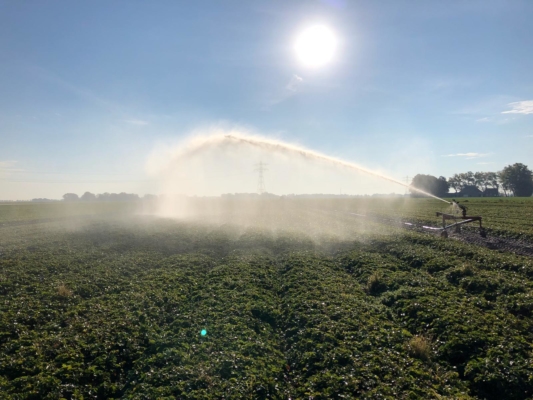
pixel 456 221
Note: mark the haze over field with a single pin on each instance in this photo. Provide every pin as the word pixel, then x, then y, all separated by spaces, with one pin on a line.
pixel 92 94
pixel 184 168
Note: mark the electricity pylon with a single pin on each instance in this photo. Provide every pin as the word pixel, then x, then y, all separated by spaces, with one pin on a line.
pixel 261 168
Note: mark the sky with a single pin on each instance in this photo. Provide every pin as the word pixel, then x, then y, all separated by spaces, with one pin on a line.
pixel 90 90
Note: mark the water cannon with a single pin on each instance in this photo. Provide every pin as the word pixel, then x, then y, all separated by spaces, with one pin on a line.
pixel 456 204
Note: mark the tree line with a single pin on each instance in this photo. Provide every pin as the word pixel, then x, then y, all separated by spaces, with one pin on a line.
pixel 515 180
pixel 88 196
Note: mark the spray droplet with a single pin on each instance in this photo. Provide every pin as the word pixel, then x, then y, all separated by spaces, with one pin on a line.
pixel 203 332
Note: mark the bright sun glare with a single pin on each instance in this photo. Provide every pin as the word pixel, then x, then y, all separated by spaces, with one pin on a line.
pixel 315 46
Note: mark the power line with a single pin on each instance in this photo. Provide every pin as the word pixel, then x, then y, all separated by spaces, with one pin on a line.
pixel 260 168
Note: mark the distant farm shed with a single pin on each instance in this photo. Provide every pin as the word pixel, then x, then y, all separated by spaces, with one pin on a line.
pixel 491 192
pixel 470 191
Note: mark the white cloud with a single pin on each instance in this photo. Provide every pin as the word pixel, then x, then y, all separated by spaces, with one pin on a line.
pixel 8 166
pixel 139 122
pixel 520 107
pixel 468 156
pixel 486 119
pixel 293 84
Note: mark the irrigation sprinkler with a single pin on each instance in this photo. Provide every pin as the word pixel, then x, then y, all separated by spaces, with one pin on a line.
pixel 459 220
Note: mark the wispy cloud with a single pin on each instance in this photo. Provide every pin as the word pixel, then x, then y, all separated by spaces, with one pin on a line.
pixel 293 84
pixel 520 107
pixel 139 122
pixel 489 106
pixel 290 89
pixel 81 92
pixel 448 83
pixel 489 110
pixel 468 156
pixel 9 166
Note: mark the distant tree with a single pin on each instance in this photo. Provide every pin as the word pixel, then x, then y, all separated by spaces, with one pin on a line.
pixel 150 197
pixel 469 179
pixel 443 187
pixel 505 187
pixel 455 182
pixel 70 197
pixel 118 197
pixel 464 180
pixel 103 196
pixel 125 197
pixel 492 179
pixel 480 180
pixel 431 184
pixel 88 196
pixel 517 178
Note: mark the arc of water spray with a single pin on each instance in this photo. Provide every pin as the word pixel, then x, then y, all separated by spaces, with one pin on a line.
pixel 201 144
pixel 286 148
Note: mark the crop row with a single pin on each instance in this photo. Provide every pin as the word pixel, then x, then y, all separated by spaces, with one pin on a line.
pixel 116 309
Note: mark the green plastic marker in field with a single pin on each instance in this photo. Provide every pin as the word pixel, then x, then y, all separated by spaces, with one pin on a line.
pixel 203 332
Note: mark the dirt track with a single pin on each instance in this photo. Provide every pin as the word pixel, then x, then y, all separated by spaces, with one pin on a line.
pixel 495 243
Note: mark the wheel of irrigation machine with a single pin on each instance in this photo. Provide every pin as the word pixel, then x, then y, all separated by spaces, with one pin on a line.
pixel 444 234
pixel 482 232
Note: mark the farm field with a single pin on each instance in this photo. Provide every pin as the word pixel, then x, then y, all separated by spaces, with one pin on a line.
pixel 16 212
pixel 502 216
pixel 296 299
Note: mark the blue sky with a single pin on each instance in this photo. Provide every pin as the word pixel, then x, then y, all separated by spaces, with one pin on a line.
pixel 87 89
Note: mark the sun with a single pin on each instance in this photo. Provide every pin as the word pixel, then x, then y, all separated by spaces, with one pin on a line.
pixel 315 46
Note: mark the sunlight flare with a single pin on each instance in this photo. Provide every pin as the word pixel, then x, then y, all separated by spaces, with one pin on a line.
pixel 315 46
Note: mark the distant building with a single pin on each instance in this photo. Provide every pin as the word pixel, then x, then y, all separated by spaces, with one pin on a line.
pixel 470 191
pixel 491 192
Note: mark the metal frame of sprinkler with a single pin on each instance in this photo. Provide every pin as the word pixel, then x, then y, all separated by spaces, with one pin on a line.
pixel 458 221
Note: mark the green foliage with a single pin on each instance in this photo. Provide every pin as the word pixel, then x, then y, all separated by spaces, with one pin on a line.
pixel 518 178
pixel 114 308
pixel 430 184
